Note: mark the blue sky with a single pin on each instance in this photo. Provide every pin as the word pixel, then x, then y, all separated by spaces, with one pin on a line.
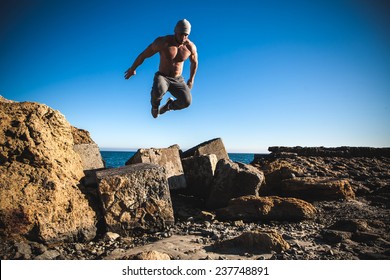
pixel 307 73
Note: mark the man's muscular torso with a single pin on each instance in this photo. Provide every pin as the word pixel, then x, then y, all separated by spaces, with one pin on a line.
pixel 172 54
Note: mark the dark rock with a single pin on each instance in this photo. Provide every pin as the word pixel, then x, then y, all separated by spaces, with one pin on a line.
pixel 233 179
pixel 364 236
pixel 352 225
pixel 335 236
pixel 199 172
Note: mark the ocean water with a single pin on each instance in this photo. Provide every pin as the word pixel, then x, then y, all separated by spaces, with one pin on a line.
pixel 117 159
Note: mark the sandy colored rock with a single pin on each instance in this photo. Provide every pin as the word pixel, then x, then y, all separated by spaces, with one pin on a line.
pixel 39 176
pixel 150 255
pixel 255 242
pixel 81 136
pixel 135 197
pixel 317 188
pixel 270 208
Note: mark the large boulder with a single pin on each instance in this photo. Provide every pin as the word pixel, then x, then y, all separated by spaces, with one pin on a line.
pixel 233 179
pixel 39 176
pixel 199 172
pixel 135 197
pixel 270 208
pixel 169 158
pixel 214 146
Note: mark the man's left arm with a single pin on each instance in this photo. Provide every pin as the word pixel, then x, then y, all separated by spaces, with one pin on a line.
pixel 193 66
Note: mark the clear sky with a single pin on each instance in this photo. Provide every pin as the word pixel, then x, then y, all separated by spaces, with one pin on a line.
pixel 291 73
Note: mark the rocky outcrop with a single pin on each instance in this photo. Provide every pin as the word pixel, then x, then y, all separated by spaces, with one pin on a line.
pixel 317 188
pixel 214 146
pixel 169 158
pixel 39 176
pixel 270 208
pixel 366 175
pixel 135 197
pixel 331 152
pixel 233 179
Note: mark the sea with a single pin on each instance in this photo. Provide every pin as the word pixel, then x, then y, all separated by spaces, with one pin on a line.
pixel 119 158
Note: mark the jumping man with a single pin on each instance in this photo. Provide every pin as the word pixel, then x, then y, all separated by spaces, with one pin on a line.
pixel 173 50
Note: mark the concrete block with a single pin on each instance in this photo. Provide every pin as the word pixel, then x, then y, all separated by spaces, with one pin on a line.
pixel 135 197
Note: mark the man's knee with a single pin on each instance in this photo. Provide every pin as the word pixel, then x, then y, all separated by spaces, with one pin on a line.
pixel 187 101
pixel 183 102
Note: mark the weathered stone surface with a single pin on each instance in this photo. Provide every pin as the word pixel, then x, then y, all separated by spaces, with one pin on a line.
pixel 39 176
pixel 333 152
pixel 214 146
pixel 81 136
pixel 90 156
pixel 150 255
pixel 305 177
pixel 87 149
pixel 233 179
pixel 169 158
pixel 110 236
pixel 135 197
pixel 275 172
pixel 269 208
pixel 255 242
pixel 199 172
pixel 317 188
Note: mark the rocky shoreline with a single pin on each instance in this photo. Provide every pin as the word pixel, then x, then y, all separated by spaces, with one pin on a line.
pixel 297 203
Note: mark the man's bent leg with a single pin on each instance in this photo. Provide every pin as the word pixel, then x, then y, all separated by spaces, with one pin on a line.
pixel 181 92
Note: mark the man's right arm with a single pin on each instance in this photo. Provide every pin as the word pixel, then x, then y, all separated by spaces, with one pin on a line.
pixel 151 50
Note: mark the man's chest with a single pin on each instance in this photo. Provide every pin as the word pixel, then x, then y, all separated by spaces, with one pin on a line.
pixel 175 53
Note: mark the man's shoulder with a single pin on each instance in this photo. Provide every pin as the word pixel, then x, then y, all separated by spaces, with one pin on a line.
pixel 190 45
pixel 163 39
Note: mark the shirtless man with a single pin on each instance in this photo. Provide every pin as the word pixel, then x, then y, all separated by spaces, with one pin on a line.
pixel 173 50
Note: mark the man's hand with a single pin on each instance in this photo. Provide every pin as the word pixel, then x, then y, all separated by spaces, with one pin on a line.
pixel 130 72
pixel 190 83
